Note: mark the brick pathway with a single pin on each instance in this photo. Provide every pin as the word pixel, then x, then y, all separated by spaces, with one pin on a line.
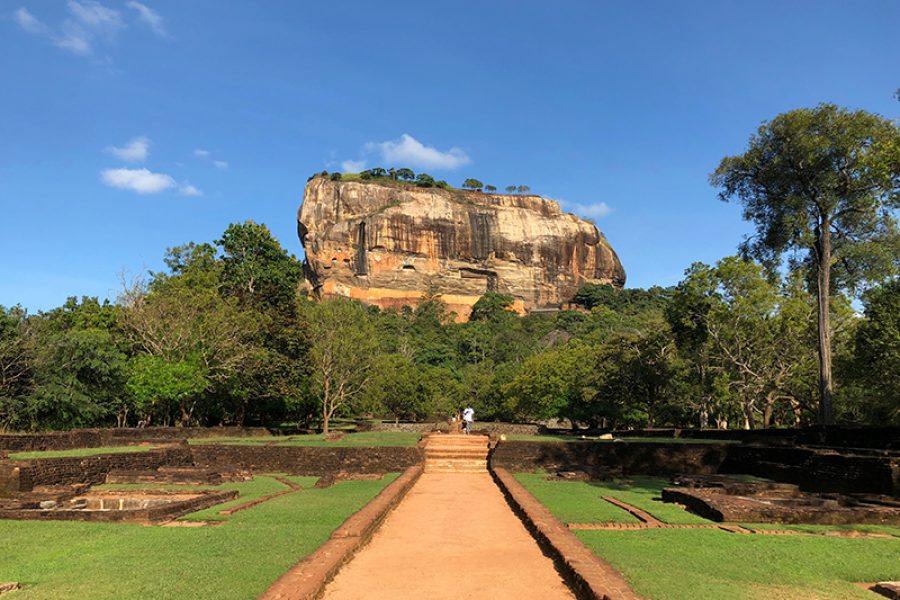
pixel 453 536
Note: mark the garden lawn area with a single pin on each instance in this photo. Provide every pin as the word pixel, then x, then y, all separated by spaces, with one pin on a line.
pixel 77 452
pixel 574 501
pixel 238 559
pixel 366 439
pixel 582 502
pixel 879 529
pixel 692 564
pixel 643 440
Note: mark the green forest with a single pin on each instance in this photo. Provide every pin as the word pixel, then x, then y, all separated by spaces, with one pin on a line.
pixel 801 326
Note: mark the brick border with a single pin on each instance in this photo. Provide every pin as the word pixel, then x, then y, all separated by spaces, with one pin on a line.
pixel 590 577
pixel 307 579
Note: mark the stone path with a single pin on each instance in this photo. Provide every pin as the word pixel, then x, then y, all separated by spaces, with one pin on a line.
pixel 453 536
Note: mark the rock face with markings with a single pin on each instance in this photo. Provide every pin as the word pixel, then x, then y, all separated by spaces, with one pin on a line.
pixel 389 243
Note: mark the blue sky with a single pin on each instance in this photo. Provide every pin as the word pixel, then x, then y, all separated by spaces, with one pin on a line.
pixel 127 127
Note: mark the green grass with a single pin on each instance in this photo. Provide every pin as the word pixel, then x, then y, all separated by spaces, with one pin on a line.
pixel 690 564
pixel 573 501
pixel 236 560
pixel 582 502
pixel 77 452
pixel 644 493
pixel 644 440
pixel 261 485
pixel 368 439
pixel 821 529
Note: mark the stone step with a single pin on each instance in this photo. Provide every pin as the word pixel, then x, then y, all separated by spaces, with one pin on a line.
pixel 456 451
pixel 459 470
pixel 482 448
pixel 469 464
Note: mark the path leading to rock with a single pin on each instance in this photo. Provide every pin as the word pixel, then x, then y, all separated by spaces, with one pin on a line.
pixel 452 537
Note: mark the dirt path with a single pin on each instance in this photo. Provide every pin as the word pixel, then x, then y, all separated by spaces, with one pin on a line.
pixel 452 537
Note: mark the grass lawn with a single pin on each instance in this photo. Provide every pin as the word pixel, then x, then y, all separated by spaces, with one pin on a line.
pixel 574 501
pixel 880 529
pixel 366 439
pixel 692 564
pixel 78 452
pixel 644 440
pixel 238 559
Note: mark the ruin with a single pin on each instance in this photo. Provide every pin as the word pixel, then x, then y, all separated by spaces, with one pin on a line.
pixel 727 499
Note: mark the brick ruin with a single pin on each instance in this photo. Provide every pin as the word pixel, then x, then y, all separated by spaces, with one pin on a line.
pixel 866 479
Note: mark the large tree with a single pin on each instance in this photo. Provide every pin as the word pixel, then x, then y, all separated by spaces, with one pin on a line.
pixel 822 185
pixel 342 352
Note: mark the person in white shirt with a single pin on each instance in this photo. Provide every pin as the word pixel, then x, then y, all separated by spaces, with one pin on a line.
pixel 468 416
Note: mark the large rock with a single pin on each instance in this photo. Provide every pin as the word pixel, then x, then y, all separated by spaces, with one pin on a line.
pixel 388 243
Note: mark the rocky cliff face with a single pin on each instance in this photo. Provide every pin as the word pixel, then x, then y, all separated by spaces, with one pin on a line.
pixel 387 243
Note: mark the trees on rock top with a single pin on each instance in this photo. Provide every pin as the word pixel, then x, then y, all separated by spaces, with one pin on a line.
pixel 821 185
pixel 472 184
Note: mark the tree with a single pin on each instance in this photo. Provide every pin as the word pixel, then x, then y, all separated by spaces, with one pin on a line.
pixel 378 172
pixel 77 353
pixel 344 345
pixel 821 183
pixel 425 180
pixel 511 189
pixel 256 269
pixel 492 306
pixel 154 381
pixel 551 384
pixel 472 184
pixel 406 174
pixel 522 189
pixel 877 353
pixel 746 341
pixel 635 376
pixel 15 371
pixel 490 188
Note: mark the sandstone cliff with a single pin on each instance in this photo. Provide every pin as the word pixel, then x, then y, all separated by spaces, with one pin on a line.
pixel 386 243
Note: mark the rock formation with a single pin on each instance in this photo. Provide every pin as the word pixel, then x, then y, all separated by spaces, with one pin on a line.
pixel 388 243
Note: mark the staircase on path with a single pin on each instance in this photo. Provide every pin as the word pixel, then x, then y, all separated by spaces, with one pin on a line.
pixel 456 453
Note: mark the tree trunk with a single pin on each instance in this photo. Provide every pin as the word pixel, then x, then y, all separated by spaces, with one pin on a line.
pixel 769 410
pixel 326 399
pixel 826 385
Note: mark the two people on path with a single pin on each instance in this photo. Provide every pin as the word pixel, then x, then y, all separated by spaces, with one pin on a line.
pixel 468 415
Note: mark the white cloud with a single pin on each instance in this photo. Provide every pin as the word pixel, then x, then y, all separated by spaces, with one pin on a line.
pixel 29 22
pixel 187 189
pixel 596 210
pixel 410 152
pixel 141 181
pixel 89 24
pixel 150 17
pixel 74 40
pixel 135 150
pixel 96 16
pixel 353 166
pixel 206 155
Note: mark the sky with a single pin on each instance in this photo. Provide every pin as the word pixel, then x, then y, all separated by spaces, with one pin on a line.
pixel 129 127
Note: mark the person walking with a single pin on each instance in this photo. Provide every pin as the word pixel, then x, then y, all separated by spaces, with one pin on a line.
pixel 468 416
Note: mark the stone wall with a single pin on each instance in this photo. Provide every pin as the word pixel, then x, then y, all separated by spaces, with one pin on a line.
pixel 602 457
pixel 307 460
pixel 88 469
pixel 480 427
pixel 98 438
pixel 836 436
pixel 818 470
pixel 812 469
